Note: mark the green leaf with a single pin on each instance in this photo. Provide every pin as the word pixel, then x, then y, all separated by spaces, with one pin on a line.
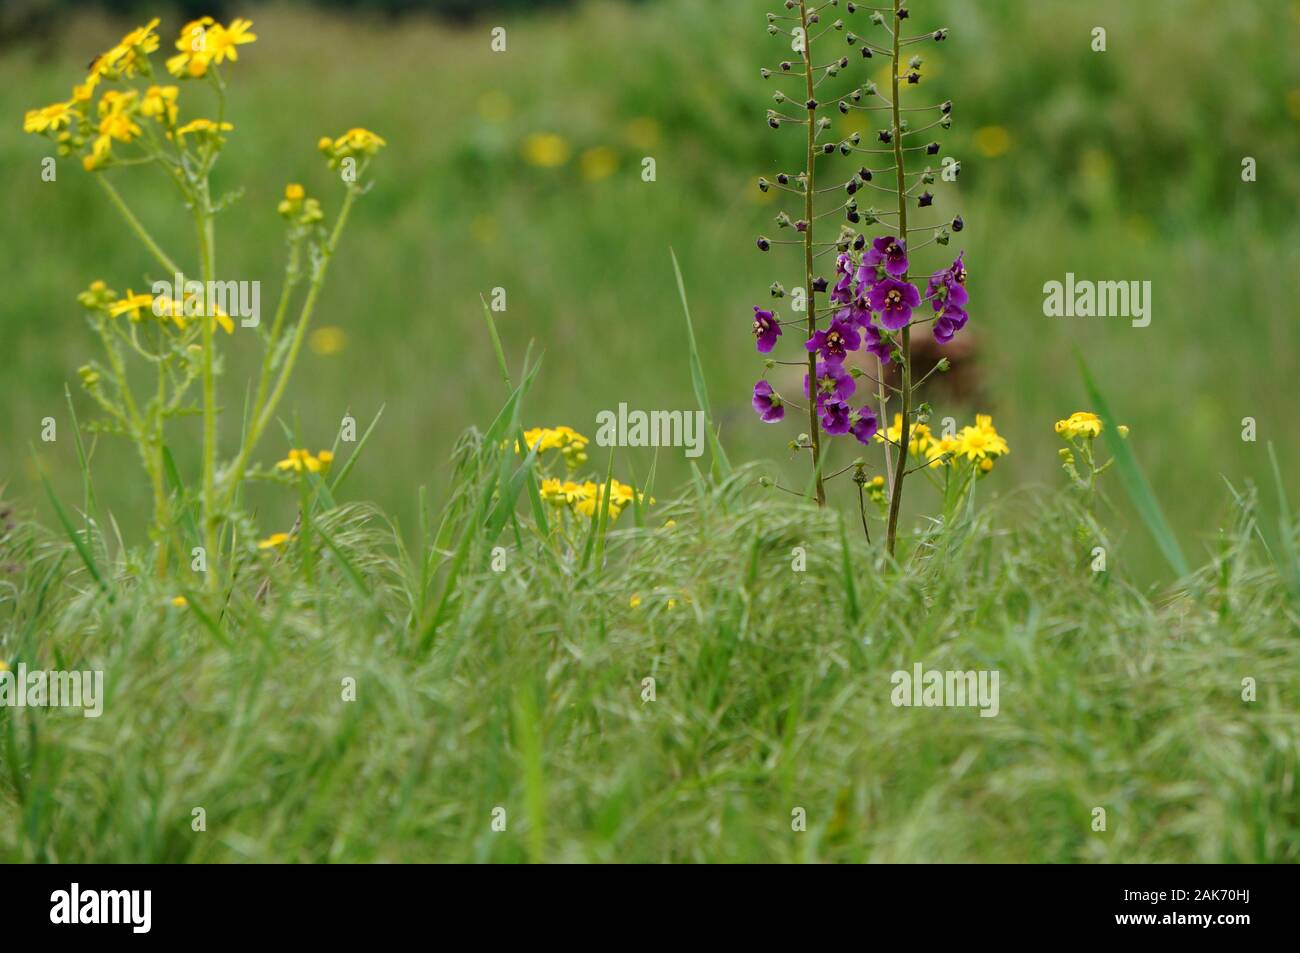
pixel 721 465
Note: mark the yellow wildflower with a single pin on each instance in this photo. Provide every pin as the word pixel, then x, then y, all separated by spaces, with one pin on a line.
pixel 598 163
pixel 48 119
pixel 327 340
pixel 300 460
pixel 981 441
pixel 180 602
pixel 135 46
pixel 196 54
pixel 919 437
pixel 4 666
pixel 160 103
pixel 546 150
pixel 275 539
pixel 224 42
pixel 992 141
pixel 633 603
pixel 203 126
pixel 358 140
pixel 130 305
pixel 1082 423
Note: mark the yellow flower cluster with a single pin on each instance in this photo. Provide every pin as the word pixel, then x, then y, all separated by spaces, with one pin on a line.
pixel 302 460
pixel 99 297
pixel 297 206
pixel 979 443
pixel 583 497
pixel 354 142
pixel 571 444
pixel 201 42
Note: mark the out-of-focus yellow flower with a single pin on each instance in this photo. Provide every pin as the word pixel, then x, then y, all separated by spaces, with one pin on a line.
pixel 224 42
pixel 302 460
pixel 275 539
pixel 941 452
pixel 992 141
pixel 919 437
pixel 160 103
pixel 130 304
pixel 546 150
pixel 484 229
pixel 47 119
pixel 359 140
pixel 4 666
pixel 598 163
pixel 1082 423
pixel 202 126
pixel 180 602
pixel 327 340
pixel 633 603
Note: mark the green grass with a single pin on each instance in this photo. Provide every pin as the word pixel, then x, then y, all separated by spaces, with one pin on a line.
pixel 772 692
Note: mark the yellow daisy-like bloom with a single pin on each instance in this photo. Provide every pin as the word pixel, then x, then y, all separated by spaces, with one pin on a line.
pixel 135 46
pixel 48 119
pixel 195 49
pixel 275 539
pixel 546 150
pixel 981 441
pixel 941 452
pixel 166 307
pixel 302 460
pixel 358 140
pixel 223 42
pixel 1082 423
pixel 160 103
pixel 130 305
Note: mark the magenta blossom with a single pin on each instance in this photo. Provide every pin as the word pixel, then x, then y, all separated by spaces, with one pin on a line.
pixel 768 403
pixel 842 293
pixel 894 301
pixel 890 252
pixel 833 382
pixel 836 341
pixel 951 320
pixel 766 329
pixel 863 424
pixel 948 286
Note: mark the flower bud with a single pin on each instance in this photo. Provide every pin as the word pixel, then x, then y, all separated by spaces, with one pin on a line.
pixel 763 244
pixel 958 224
pixel 777 290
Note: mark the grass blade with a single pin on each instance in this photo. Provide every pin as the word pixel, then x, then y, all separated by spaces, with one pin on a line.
pixel 721 465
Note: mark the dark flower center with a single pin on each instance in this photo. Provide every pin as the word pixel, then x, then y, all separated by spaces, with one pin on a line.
pixel 893 299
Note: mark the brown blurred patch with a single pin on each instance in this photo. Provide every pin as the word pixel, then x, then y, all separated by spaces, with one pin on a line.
pixel 961 383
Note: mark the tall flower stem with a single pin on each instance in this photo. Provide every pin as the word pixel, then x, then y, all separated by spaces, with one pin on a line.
pixel 207 262
pixel 814 426
pixel 904 436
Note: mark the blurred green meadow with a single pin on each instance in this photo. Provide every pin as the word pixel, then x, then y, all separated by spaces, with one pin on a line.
pixel 522 170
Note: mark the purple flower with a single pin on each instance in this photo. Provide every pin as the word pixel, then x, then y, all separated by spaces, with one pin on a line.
pixel 890 252
pixel 868 275
pixel 951 320
pixel 877 343
pixel 768 403
pixel 835 341
pixel 894 300
pixel 949 286
pixel 766 329
pixel 863 424
pixel 835 417
pixel 844 269
pixel 833 382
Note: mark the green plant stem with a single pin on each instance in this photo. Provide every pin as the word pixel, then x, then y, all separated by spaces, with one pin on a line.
pixel 207 261
pixel 900 466
pixel 263 417
pixel 135 226
pixel 814 426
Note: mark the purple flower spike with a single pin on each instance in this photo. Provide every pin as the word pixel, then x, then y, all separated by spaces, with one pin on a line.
pixel 768 403
pixel 836 341
pixel 833 382
pixel 890 252
pixel 894 300
pixel 863 424
pixel 766 329
pixel 835 417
